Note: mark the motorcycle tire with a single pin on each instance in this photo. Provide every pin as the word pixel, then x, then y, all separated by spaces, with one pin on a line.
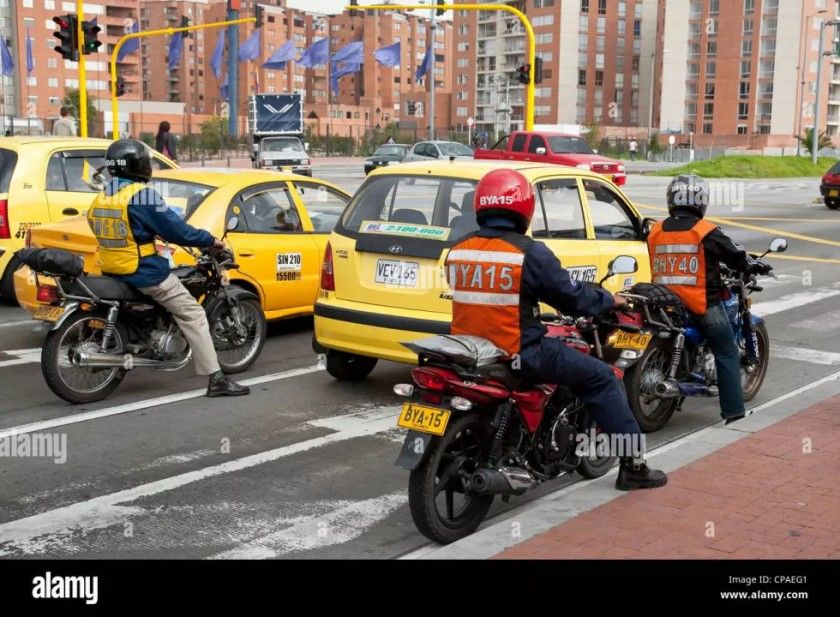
pixel 251 310
pixel 754 382
pixel 650 420
pixel 423 493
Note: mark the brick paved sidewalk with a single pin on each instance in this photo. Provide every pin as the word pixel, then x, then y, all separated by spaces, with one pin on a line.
pixel 765 496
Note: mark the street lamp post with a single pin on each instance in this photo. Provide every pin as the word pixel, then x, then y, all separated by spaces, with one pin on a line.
pixel 802 81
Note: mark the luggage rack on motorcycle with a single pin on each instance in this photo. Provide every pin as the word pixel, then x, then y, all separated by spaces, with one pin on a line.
pixel 668 308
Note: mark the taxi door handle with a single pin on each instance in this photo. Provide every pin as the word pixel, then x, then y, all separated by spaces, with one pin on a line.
pixel 70 211
pixel 246 252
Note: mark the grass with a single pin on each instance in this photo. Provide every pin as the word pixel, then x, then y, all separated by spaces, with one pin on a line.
pixel 753 167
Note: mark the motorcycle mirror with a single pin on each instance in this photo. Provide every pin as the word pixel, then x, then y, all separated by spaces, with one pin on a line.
pixel 778 245
pixel 623 264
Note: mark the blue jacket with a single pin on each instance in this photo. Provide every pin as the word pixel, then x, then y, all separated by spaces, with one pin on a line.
pixel 149 216
pixel 545 278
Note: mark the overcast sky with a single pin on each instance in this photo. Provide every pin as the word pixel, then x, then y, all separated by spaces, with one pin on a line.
pixel 327 6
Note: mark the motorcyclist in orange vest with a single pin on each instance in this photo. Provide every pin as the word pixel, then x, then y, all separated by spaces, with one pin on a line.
pixel 686 252
pixel 498 277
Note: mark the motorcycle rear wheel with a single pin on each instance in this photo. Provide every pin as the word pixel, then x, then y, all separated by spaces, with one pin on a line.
pixel 751 382
pixel 652 412
pixel 435 483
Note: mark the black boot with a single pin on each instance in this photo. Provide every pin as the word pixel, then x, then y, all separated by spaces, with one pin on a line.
pixel 224 386
pixel 633 475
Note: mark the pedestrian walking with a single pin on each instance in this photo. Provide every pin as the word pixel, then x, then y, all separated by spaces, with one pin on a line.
pixel 634 148
pixel 165 141
pixel 64 126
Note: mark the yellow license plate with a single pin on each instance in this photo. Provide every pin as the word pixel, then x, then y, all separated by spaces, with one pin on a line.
pixel 423 419
pixel 47 312
pixel 833 193
pixel 629 340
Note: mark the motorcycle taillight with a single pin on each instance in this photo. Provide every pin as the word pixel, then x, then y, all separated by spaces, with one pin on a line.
pixel 47 294
pixel 428 379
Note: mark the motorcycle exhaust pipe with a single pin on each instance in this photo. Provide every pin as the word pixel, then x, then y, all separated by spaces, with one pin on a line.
pixel 668 389
pixel 502 481
pixel 125 361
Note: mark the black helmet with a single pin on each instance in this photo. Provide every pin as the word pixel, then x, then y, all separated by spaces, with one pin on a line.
pixel 129 159
pixel 689 193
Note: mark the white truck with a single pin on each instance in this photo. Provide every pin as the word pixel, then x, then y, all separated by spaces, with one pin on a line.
pixel 275 122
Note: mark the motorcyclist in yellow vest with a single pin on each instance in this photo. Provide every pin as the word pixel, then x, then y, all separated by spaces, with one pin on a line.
pixel 685 253
pixel 125 219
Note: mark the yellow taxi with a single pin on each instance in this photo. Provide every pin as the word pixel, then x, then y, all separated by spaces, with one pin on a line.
pixel 283 225
pixel 383 279
pixel 45 180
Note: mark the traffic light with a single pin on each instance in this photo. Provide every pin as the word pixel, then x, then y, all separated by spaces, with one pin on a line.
pixel 258 13
pixel 91 42
pixel 120 85
pixel 538 70
pixel 440 12
pixel 523 74
pixel 66 33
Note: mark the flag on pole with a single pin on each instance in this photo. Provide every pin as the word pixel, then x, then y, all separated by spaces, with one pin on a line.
pixel 339 70
pixel 388 56
pixel 218 55
pixel 30 61
pixel 352 53
pixel 279 58
pixel 8 63
pixel 176 43
pixel 316 54
pixel 425 66
pixel 250 49
pixel 131 45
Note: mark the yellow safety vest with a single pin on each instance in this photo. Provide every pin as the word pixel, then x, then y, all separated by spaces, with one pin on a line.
pixel 119 253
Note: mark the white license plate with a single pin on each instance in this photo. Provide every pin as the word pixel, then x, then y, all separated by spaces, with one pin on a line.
pixel 400 273
pixel 585 273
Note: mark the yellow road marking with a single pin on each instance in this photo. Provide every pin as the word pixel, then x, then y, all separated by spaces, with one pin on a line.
pixel 774 256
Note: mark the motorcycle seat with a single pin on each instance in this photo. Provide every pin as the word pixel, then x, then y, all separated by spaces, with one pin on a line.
pixel 104 287
pixel 503 373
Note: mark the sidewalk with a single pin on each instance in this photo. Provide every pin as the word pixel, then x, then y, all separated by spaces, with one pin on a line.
pixel 764 496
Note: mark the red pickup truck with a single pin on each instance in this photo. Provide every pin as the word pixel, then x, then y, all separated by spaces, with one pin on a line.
pixel 557 148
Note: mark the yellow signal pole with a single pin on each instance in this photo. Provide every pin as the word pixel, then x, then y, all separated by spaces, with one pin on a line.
pixel 115 105
pixel 529 31
pixel 80 15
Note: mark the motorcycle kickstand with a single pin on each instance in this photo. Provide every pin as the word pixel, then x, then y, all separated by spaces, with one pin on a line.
pixel 680 403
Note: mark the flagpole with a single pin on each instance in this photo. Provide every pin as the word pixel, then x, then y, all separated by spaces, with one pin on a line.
pixel 28 86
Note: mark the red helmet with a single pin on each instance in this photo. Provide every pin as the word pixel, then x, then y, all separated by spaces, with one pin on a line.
pixel 506 193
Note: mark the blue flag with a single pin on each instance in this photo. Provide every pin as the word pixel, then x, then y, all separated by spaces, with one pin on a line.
pixel 280 57
pixel 250 49
pixel 176 43
pixel 352 53
pixel 316 54
pixel 30 62
pixel 425 66
pixel 131 45
pixel 339 70
pixel 388 56
pixel 218 55
pixel 223 89
pixel 8 63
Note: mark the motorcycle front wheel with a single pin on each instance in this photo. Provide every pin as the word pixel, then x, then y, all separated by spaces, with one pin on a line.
pixel 442 510
pixel 752 377
pixel 237 349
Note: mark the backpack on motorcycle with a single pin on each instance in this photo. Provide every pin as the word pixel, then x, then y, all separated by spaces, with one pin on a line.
pixel 53 262
pixel 661 297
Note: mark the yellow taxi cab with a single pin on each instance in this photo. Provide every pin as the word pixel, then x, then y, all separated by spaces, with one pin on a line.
pixel 383 279
pixel 283 225
pixel 43 180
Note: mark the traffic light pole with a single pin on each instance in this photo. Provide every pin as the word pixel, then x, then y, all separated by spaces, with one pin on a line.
pixel 115 105
pixel 529 31
pixel 83 115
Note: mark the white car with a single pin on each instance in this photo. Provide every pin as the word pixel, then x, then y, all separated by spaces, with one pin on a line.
pixel 431 150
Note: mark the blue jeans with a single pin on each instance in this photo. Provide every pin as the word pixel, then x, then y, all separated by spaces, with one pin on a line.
pixel 718 330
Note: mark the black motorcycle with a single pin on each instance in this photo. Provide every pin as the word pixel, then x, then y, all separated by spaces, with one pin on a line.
pixel 103 328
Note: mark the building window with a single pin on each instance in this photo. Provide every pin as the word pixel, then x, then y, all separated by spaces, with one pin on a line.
pixel 707 128
pixel 584 6
pixel 711 48
pixel 710 90
pixel 743 111
pixel 749 6
pixel 748 25
pixel 708 110
pixel 637 27
pixel 746 68
pixel 744 91
pixel 581 77
pixel 599 78
pixel 742 129
pixel 710 69
pixel 602 7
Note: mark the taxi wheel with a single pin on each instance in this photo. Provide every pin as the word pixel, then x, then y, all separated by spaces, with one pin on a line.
pixel 349 367
pixel 7 282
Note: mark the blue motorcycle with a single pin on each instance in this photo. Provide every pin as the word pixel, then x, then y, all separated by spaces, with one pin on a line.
pixel 672 359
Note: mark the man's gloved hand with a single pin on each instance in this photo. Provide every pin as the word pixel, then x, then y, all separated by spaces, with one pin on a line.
pixel 759 267
pixel 217 245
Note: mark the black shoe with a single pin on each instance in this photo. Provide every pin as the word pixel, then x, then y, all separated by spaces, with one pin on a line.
pixel 733 419
pixel 632 476
pixel 225 386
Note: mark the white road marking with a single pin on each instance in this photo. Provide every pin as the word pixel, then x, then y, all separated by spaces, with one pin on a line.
pixel 331 522
pixel 145 404
pixel 802 354
pixel 56 528
pixel 14 324
pixel 820 323
pixel 22 356
pixel 796 300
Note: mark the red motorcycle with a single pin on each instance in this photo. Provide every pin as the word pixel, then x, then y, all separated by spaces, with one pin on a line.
pixel 477 430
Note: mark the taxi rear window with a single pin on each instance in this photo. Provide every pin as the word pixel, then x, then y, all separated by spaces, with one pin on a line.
pixel 8 161
pixel 419 206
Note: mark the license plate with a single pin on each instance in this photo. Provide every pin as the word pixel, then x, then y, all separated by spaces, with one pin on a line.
pixel 583 273
pixel 400 273
pixel 833 193
pixel 47 312
pixel 629 340
pixel 423 419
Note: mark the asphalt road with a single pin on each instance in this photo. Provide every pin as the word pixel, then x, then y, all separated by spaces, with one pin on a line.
pixel 303 467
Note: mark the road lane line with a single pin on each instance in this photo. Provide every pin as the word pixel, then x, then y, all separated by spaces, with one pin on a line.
pixel 145 404
pixel 24 356
pixel 795 300
pixel 56 528
pixel 820 323
pixel 803 354
pixel 819 260
pixel 13 324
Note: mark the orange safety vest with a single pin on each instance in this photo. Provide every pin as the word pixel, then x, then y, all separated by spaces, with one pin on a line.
pixel 485 275
pixel 678 260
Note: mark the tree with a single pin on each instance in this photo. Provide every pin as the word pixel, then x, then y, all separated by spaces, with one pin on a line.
pixel 654 147
pixel 592 134
pixel 71 100
pixel 808 140
pixel 215 136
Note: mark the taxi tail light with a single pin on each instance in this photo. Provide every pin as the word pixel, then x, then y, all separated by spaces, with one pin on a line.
pixel 48 294
pixel 5 227
pixel 327 276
